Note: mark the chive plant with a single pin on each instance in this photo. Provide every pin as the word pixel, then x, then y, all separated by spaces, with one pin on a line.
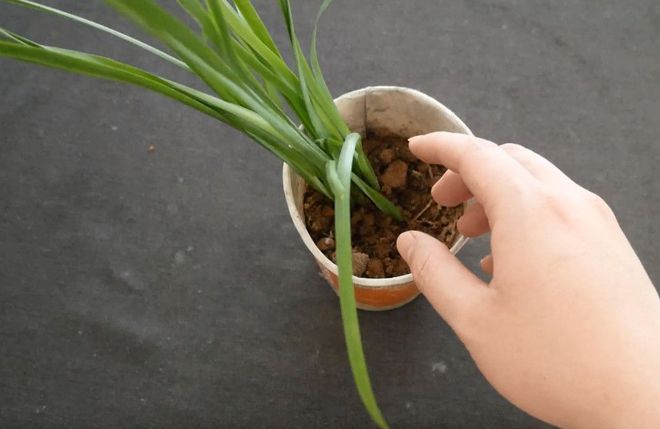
pixel 232 52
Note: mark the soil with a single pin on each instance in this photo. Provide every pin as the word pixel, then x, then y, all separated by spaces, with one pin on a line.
pixel 404 180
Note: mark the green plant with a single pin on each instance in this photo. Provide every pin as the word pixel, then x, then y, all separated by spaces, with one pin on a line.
pixel 233 53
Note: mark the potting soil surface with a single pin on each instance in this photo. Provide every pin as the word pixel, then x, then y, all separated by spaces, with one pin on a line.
pixel 406 181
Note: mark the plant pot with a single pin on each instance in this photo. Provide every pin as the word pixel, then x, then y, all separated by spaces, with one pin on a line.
pixel 397 110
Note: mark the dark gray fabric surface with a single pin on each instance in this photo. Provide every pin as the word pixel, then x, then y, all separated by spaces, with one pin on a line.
pixel 170 289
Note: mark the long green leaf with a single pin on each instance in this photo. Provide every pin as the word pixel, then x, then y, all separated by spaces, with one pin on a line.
pixel 215 31
pixel 363 164
pixel 215 72
pixel 383 204
pixel 323 126
pixel 205 62
pixel 97 66
pixel 237 59
pixel 265 57
pixel 176 35
pixel 339 178
pixel 318 74
pixel 247 48
pixel 324 115
pixel 196 10
pixel 17 38
pixel 101 67
pixel 96 25
pixel 321 102
pixel 221 31
pixel 243 31
pixel 280 129
pixel 253 19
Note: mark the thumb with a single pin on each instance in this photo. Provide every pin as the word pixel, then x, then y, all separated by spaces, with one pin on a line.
pixel 450 287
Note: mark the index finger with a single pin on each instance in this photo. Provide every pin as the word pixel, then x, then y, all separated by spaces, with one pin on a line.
pixel 493 176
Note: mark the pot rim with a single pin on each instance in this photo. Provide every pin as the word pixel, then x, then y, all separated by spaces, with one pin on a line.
pixel 298 220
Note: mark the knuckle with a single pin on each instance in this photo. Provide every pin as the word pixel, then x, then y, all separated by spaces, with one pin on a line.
pixel 598 203
pixel 513 147
pixel 569 206
pixel 476 154
pixel 551 199
pixel 547 202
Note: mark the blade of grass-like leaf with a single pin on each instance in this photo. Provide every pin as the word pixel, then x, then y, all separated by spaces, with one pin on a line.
pixel 267 74
pixel 323 126
pixel 286 84
pixel 315 125
pixel 227 46
pixel 252 18
pixel 318 74
pixel 258 55
pixel 197 12
pixel 288 88
pixel 101 67
pixel 262 133
pixel 243 31
pixel 314 101
pixel 280 128
pixel 383 204
pixel 96 25
pixel 224 80
pixel 154 19
pixel 208 25
pixel 363 164
pixel 215 72
pixel 275 82
pixel 284 129
pixel 333 146
pixel 223 39
pixel 18 38
pixel 215 31
pixel 364 167
pixel 294 159
pixel 97 66
pixel 345 162
pixel 325 116
pixel 273 93
pixel 339 178
pixel 321 99
pixel 319 127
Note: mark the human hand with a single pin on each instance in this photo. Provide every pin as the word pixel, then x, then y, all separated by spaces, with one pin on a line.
pixel 568 328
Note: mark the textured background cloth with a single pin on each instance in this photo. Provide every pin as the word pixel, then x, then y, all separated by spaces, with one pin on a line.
pixel 170 289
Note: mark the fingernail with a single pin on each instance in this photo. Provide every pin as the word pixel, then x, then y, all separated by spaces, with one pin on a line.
pixel 413 139
pixel 404 242
pixel 436 194
pixel 434 188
